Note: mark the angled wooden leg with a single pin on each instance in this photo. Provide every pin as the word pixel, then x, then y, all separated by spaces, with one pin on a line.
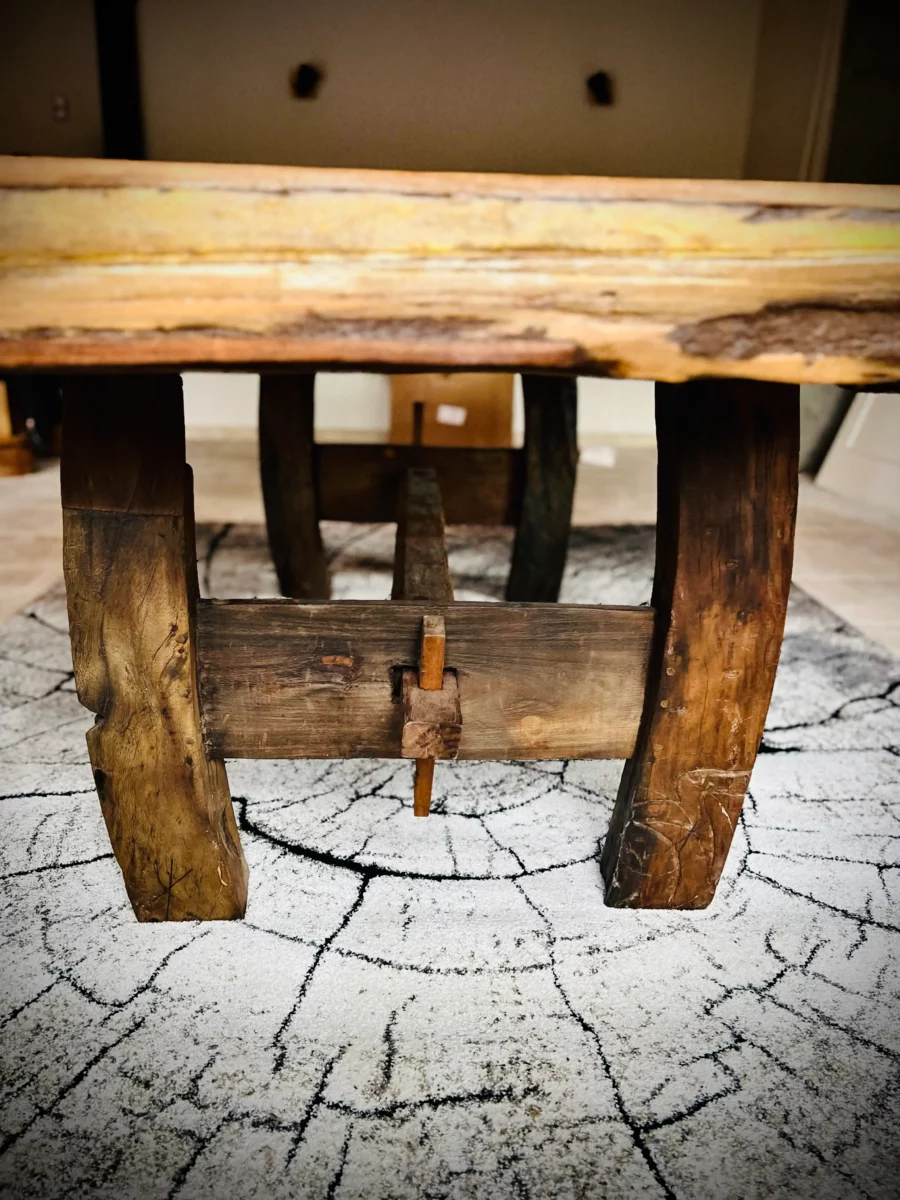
pixel 131 583
pixel 726 506
pixel 288 470
pixel 551 460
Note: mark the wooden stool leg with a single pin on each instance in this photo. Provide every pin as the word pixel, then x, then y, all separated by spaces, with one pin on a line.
pixel 726 505
pixel 288 471
pixel 131 582
pixel 551 460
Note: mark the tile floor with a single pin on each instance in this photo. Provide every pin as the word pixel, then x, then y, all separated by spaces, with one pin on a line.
pixel 847 555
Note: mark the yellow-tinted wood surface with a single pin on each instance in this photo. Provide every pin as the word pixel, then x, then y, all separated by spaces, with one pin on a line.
pixel 129 264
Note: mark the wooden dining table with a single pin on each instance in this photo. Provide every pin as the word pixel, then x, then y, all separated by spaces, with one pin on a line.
pixel 117 276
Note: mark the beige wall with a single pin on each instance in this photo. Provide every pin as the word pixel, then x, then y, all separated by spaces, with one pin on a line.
pixel 344 401
pixel 347 402
pixel 47 48
pixel 454 84
pixel 794 88
pixel 704 87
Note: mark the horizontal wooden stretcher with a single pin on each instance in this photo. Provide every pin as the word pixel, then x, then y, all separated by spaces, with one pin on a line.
pixel 728 294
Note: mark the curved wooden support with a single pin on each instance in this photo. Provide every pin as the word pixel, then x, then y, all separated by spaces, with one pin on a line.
pixel 726 507
pixel 131 581
pixel 288 470
pixel 551 460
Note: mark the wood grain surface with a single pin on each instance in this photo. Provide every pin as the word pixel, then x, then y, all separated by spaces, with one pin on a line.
pixel 134 264
pixel 124 435
pixel 280 679
pixel 432 717
pixel 421 570
pixel 727 499
pixel 484 401
pixel 131 588
pixel 478 486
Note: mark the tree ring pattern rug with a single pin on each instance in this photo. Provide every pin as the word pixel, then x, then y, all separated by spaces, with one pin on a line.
pixel 444 1008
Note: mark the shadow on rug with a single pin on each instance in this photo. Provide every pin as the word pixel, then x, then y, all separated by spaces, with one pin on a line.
pixel 445 1008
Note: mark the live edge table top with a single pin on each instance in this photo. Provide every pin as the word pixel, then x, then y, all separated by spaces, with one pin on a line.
pixel 122 265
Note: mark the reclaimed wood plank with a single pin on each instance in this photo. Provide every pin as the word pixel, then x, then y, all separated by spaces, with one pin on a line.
pixel 149 264
pixel 280 679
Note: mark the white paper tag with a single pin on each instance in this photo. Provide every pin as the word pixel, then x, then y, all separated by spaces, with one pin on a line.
pixel 451 414
pixel 599 456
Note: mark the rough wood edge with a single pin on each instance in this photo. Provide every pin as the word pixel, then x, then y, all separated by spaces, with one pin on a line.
pixel 665 279
pixel 131 588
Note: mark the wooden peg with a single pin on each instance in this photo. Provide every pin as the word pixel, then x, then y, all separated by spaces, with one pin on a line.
pixel 422 787
pixel 431 663
pixel 432 718
pixel 431 678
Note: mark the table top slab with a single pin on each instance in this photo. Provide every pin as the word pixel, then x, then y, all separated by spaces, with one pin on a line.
pixel 127 265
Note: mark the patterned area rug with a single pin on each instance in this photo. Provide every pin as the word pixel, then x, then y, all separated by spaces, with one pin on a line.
pixel 445 1008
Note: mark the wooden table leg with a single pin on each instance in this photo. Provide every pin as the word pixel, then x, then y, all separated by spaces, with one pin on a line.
pixel 131 581
pixel 551 461
pixel 726 506
pixel 288 471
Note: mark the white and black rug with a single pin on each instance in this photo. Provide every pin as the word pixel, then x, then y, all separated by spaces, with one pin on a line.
pixel 445 1008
